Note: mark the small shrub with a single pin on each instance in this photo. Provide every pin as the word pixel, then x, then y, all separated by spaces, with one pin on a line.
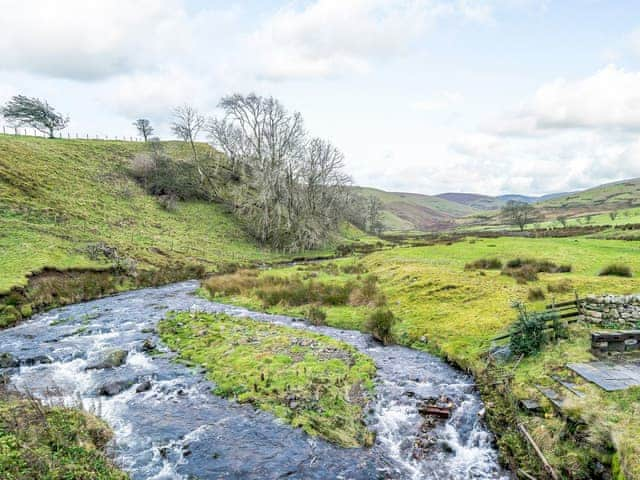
pixel 379 324
pixel 316 316
pixel 535 294
pixel 526 269
pixel 484 264
pixel 563 286
pixel 524 274
pixel 530 332
pixel 355 268
pixel 232 284
pixel 617 270
pixel 168 203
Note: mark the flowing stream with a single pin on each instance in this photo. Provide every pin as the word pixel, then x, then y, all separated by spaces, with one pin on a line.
pixel 177 429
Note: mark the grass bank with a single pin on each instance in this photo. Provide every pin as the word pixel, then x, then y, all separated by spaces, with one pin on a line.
pixel 52 443
pixel 311 381
pixel 454 311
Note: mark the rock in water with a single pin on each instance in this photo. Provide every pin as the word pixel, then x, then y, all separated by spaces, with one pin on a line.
pixel 148 345
pixel 111 359
pixel 114 388
pixel 8 361
pixel 144 386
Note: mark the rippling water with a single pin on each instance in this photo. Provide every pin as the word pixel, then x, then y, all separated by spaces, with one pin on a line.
pixel 179 430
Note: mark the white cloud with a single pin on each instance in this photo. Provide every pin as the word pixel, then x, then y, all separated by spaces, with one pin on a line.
pixel 441 101
pixel 90 39
pixel 610 98
pixel 333 36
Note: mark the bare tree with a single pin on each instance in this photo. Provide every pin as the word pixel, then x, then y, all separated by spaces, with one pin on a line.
pixel 294 186
pixel 186 124
pixel 374 215
pixel 144 128
pixel 35 113
pixel 518 213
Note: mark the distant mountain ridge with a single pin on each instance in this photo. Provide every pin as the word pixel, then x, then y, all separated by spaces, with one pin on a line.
pixel 487 202
pixel 413 211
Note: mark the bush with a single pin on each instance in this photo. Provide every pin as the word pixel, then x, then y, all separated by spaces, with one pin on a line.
pixel 526 269
pixel 168 203
pixel 316 316
pixel 530 332
pixel 563 286
pixel 617 270
pixel 535 294
pixel 232 284
pixel 379 324
pixel 355 268
pixel 484 264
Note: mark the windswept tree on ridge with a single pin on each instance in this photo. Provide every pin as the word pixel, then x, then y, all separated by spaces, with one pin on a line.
pixel 30 111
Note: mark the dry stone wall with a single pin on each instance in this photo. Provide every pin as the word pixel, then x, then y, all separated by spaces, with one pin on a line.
pixel 618 311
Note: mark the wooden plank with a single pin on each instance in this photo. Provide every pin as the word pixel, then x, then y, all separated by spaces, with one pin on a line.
pixel 562 304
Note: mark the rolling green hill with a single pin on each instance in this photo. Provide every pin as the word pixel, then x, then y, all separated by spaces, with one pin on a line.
pixel 610 196
pixel 413 211
pixel 63 203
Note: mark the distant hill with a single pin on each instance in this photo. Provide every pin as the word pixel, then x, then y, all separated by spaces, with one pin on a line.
pixel 474 200
pixel 486 202
pixel 413 211
pixel 609 196
pixel 417 212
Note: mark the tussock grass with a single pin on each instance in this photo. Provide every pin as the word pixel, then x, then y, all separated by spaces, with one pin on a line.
pixel 616 270
pixel 39 442
pixel 484 264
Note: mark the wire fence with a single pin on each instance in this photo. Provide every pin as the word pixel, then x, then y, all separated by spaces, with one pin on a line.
pixel 32 132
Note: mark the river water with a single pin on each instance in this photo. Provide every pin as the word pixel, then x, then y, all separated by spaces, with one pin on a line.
pixel 178 429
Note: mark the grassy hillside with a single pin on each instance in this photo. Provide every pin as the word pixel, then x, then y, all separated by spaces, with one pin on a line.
pixel 612 195
pixel 474 200
pixel 455 312
pixel 60 198
pixel 413 211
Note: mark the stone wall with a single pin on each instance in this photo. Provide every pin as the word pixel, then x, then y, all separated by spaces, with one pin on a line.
pixel 619 311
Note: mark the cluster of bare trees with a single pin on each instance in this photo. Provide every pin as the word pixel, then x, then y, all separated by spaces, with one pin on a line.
pixel 293 194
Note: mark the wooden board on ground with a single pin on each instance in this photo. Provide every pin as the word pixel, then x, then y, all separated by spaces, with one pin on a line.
pixel 609 376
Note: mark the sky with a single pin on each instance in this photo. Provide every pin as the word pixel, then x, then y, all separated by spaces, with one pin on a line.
pixel 425 96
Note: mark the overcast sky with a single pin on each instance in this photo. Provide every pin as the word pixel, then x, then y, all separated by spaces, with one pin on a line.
pixel 427 96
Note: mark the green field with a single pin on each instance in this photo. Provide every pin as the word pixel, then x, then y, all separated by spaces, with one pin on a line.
pixel 454 312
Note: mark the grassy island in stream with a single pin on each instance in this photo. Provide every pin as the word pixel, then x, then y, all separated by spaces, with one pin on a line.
pixel 52 443
pixel 314 382
pixel 447 306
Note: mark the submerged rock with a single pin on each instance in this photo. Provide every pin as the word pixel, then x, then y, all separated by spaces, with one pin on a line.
pixel 111 359
pixel 8 361
pixel 38 359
